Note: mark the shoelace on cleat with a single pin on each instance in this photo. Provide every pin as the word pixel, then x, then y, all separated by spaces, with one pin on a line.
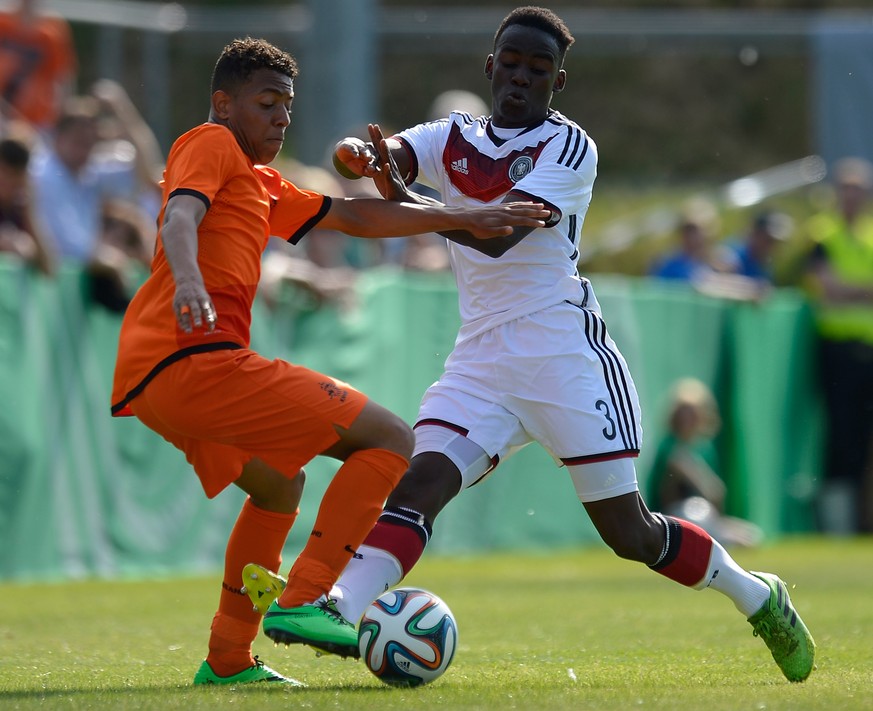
pixel 774 634
pixel 327 606
pixel 273 675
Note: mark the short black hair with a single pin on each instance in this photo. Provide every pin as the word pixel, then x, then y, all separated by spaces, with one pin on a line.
pixel 242 57
pixel 540 18
pixel 14 153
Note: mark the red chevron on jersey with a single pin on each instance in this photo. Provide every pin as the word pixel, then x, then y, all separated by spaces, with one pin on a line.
pixel 481 177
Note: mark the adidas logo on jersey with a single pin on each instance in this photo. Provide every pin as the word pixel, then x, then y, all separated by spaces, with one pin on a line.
pixel 460 165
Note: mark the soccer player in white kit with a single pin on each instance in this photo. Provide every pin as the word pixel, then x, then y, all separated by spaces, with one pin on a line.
pixel 533 360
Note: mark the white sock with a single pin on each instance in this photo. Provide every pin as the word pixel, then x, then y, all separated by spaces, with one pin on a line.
pixel 363 580
pixel 747 592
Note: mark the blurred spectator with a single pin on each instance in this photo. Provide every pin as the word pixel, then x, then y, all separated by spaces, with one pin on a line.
pixel 751 255
pixel 738 269
pixel 76 178
pixel 19 233
pixel 425 253
pixel 128 142
pixel 37 64
pixel 368 253
pixel 429 252
pixel 327 249
pixel 126 240
pixel 841 280
pixel 742 267
pixel 457 100
pixel 321 267
pixel 683 481
pixel 697 229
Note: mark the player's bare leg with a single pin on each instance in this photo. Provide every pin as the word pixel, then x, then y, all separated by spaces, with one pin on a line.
pixel 688 555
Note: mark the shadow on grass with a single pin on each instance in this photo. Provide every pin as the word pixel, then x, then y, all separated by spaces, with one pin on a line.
pixel 190 689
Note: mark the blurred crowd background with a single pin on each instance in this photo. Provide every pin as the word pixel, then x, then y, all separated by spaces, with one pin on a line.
pixel 735 154
pixel 745 104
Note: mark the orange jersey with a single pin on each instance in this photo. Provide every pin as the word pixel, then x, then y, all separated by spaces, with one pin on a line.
pixel 36 61
pixel 246 204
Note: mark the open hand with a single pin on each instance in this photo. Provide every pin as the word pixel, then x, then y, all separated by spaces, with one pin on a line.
pixel 499 220
pixel 387 177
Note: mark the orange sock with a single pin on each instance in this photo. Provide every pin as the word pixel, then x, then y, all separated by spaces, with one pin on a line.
pixel 348 510
pixel 257 537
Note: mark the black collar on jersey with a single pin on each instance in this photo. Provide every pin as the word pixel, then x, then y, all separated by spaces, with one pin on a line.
pixel 497 141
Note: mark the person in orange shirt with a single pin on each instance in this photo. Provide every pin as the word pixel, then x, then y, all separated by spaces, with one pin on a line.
pixel 185 369
pixel 37 64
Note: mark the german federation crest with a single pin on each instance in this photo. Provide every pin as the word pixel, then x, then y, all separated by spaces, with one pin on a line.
pixel 520 167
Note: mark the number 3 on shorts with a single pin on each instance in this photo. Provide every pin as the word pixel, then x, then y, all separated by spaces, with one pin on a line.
pixel 608 431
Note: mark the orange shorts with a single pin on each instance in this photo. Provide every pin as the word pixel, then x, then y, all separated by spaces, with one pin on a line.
pixel 226 407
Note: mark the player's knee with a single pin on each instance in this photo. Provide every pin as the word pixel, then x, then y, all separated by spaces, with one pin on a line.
pixel 286 493
pixel 294 489
pixel 270 489
pixel 375 428
pixel 396 436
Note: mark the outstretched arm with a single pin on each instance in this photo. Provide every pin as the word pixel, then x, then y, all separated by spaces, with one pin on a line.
pixel 385 161
pixel 372 217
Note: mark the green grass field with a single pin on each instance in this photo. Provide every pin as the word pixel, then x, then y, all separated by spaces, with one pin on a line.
pixel 567 630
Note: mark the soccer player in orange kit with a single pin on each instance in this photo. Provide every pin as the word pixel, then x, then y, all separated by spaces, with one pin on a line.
pixel 185 368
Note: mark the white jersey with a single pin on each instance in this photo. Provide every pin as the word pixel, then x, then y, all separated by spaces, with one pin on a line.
pixel 472 163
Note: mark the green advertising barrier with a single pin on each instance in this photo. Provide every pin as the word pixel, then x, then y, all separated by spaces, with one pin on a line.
pixel 84 494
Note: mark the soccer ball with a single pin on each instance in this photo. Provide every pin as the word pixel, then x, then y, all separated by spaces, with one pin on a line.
pixel 407 637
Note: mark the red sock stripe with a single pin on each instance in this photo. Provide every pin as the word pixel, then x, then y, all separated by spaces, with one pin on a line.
pixel 688 552
pixel 402 542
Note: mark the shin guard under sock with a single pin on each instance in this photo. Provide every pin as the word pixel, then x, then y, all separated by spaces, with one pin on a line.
pixel 747 592
pixel 388 553
pixel 686 554
pixel 257 537
pixel 691 557
pixel 348 510
pixel 402 532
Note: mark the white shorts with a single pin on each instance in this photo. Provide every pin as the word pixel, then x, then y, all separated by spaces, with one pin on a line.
pixel 554 377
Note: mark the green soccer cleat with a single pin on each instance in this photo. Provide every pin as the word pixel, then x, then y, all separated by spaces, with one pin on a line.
pixel 782 630
pixel 318 625
pixel 262 586
pixel 256 673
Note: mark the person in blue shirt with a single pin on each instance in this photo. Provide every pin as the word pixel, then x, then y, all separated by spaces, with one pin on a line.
pixel 692 259
pixel 752 254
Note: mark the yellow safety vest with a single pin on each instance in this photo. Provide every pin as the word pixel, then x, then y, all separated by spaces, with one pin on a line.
pixel 850 255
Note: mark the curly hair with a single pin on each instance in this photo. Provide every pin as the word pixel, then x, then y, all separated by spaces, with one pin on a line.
pixel 540 18
pixel 242 57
